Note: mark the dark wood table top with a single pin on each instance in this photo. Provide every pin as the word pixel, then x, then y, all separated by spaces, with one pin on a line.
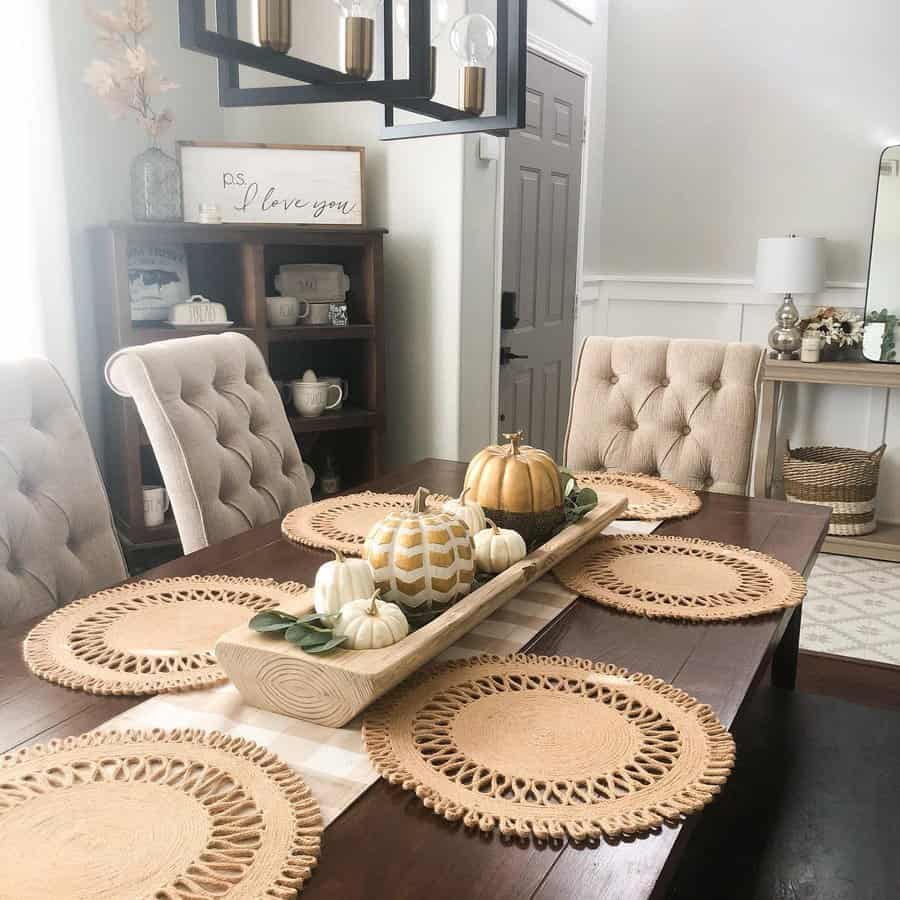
pixel 386 844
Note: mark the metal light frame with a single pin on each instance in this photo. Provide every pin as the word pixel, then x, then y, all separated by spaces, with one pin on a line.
pixel 509 110
pixel 322 84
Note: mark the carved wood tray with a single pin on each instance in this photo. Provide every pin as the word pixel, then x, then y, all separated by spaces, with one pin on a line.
pixel 331 690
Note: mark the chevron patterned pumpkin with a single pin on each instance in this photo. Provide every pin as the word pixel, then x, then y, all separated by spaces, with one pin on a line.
pixel 421 558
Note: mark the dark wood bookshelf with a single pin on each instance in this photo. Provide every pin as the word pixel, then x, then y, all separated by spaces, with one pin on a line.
pixel 236 265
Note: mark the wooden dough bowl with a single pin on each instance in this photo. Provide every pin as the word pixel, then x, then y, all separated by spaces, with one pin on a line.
pixel 330 690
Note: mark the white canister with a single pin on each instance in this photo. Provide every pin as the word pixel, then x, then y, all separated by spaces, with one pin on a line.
pixel 810 348
pixel 156 505
pixel 283 312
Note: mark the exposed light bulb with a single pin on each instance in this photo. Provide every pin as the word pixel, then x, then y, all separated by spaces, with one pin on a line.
pixel 440 16
pixel 359 35
pixel 359 9
pixel 474 39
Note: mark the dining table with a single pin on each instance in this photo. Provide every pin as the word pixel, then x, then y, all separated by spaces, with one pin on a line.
pixel 387 844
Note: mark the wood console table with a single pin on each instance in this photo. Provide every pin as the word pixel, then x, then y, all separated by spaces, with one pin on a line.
pixel 884 542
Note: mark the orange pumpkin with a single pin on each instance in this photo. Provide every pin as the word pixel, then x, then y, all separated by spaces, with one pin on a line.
pixel 518 487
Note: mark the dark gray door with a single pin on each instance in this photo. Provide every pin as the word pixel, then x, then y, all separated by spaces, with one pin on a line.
pixel 540 248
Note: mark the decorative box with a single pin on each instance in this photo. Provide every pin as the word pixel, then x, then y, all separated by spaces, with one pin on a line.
pixel 312 281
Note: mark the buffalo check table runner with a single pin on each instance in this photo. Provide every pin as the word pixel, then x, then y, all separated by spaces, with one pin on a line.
pixel 333 761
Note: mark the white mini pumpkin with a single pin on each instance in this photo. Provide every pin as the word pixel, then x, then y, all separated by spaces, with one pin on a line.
pixel 371 623
pixel 468 512
pixel 496 549
pixel 339 582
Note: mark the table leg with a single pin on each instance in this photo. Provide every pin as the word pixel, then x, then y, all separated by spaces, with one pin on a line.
pixel 784 663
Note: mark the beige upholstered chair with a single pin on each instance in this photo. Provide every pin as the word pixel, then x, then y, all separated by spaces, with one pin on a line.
pixel 219 431
pixel 682 409
pixel 57 540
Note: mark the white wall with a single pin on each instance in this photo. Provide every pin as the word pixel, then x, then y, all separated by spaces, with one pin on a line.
pixel 97 153
pixel 732 121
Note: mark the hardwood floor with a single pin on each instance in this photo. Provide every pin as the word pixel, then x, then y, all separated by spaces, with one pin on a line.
pixel 856 680
pixel 806 814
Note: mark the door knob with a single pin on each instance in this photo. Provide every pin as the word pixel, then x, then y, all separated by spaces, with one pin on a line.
pixel 506 355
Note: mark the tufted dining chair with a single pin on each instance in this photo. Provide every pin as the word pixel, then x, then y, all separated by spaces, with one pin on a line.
pixel 57 540
pixel 682 409
pixel 219 431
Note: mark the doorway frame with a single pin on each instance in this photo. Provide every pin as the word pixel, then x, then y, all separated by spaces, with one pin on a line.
pixel 580 66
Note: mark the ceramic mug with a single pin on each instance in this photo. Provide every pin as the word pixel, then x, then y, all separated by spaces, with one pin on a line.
pixel 317 313
pixel 156 505
pixel 311 397
pixel 284 311
pixel 342 383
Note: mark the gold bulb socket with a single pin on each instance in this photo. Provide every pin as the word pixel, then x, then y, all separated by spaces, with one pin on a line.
pixel 471 90
pixel 275 24
pixel 359 47
pixel 432 71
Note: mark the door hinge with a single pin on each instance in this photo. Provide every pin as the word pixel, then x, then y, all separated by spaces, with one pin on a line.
pixel 584 126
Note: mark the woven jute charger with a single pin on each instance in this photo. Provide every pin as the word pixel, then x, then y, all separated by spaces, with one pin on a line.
pixel 649 498
pixel 342 523
pixel 662 576
pixel 552 747
pixel 149 637
pixel 164 814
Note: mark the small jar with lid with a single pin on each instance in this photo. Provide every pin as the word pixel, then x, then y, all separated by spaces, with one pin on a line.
pixel 811 347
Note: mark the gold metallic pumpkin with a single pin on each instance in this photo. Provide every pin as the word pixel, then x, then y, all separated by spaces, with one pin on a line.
pixel 518 487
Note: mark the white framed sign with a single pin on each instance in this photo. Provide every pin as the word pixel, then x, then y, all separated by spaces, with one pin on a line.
pixel 274 183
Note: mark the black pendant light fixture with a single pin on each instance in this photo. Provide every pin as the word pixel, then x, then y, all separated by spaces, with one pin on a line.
pixel 475 39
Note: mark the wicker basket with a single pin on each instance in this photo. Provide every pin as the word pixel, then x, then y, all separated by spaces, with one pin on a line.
pixel 844 479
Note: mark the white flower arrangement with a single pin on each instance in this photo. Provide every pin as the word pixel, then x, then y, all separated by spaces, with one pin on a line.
pixel 836 327
pixel 127 81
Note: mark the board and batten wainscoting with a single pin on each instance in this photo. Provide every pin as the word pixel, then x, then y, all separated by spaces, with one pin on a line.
pixel 731 309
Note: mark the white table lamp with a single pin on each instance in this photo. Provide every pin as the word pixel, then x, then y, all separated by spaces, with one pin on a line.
pixel 788 266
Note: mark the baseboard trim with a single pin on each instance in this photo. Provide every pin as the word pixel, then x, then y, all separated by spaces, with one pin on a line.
pixel 862 681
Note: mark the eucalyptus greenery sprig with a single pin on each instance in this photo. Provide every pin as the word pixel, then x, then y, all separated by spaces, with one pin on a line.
pixel 311 632
pixel 578 501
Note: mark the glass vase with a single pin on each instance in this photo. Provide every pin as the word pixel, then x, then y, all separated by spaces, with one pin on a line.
pixel 156 187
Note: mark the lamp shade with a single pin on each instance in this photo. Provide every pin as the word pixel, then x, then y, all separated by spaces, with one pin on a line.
pixel 791 265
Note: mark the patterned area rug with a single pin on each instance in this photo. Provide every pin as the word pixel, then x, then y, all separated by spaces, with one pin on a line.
pixel 852 608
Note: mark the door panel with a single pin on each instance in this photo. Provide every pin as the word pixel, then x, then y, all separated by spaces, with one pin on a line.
pixel 540 240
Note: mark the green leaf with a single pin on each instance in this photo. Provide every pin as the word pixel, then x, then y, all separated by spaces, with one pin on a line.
pixel 272 620
pixel 327 647
pixel 566 482
pixel 311 618
pixel 298 632
pixel 312 640
pixel 586 497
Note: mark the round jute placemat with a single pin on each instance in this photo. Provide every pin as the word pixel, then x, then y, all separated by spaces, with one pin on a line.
pixel 549 746
pixel 149 637
pixel 166 814
pixel 661 576
pixel 649 497
pixel 342 523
